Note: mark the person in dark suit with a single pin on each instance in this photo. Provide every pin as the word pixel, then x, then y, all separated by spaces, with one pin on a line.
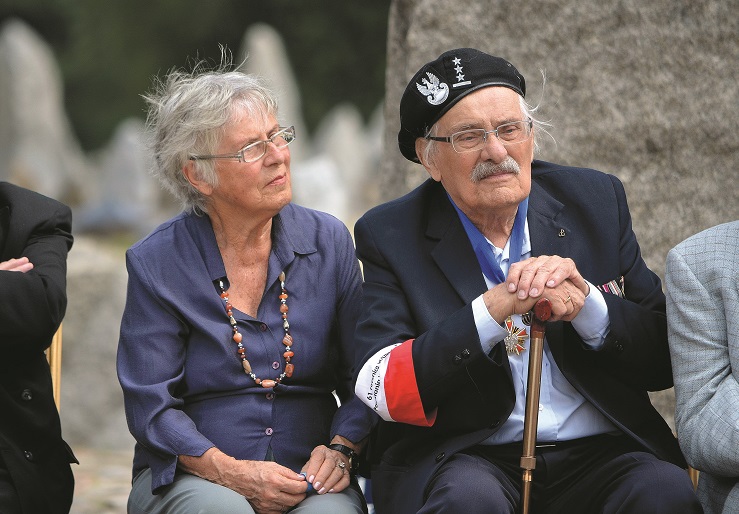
pixel 451 272
pixel 35 237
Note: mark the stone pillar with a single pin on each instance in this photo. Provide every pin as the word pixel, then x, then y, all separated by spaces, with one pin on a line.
pixel 647 91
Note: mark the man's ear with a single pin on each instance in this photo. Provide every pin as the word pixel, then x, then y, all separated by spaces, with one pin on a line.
pixel 193 177
pixel 428 164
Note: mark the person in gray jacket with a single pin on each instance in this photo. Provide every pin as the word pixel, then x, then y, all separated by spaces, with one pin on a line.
pixel 702 282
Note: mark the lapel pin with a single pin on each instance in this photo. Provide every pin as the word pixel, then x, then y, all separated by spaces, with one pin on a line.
pixel 561 232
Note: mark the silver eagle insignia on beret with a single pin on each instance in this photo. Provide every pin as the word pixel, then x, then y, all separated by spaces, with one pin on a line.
pixel 434 90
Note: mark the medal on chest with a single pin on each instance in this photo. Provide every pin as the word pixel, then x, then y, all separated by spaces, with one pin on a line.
pixel 515 341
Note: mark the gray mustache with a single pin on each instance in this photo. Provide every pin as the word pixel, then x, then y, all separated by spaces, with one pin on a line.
pixel 487 169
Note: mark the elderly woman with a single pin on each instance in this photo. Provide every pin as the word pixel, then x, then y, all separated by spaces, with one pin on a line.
pixel 239 319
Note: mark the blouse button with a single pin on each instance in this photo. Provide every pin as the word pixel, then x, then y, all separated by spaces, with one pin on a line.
pixel 270 396
pixel 275 365
pixel 268 431
pixel 27 395
pixel 263 327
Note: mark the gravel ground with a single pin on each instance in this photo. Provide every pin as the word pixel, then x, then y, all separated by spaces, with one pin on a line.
pixel 102 481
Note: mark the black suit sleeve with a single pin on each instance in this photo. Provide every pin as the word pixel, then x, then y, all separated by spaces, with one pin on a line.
pixel 34 303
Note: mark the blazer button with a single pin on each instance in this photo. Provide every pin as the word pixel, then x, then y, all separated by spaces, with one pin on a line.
pixel 440 457
pixel 28 455
pixel 457 359
pixel 466 353
pixel 619 347
pixel 26 395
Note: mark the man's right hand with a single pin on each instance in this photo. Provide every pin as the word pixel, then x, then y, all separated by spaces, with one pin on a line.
pixel 566 300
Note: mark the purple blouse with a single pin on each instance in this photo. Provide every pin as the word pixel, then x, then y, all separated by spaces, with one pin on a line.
pixel 184 387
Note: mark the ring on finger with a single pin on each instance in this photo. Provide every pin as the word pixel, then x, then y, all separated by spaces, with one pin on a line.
pixel 568 299
pixel 341 465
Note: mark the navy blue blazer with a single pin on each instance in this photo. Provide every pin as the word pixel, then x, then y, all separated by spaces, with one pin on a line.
pixel 421 275
pixel 32 305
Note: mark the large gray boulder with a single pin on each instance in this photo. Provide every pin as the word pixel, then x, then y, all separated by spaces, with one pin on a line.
pixel 648 91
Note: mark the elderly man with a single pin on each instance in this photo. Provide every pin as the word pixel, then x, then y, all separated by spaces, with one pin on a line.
pixel 452 271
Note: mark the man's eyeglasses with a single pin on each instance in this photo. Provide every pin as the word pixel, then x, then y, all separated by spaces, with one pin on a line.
pixel 256 150
pixel 474 139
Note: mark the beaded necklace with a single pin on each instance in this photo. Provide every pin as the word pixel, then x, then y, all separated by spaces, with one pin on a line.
pixel 287 340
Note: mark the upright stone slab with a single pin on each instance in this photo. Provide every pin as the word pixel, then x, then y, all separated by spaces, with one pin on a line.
pixel 648 91
pixel 38 149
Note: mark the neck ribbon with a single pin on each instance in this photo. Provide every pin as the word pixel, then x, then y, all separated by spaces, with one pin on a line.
pixel 484 252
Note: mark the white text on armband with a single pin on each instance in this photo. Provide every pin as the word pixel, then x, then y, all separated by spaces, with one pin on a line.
pixel 375 380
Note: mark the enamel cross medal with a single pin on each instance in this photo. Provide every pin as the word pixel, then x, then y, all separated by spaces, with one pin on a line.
pixel 516 338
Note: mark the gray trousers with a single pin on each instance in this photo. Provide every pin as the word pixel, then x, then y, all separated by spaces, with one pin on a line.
pixel 189 494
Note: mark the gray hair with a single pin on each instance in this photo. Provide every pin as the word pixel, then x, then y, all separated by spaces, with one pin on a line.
pixel 187 115
pixel 528 111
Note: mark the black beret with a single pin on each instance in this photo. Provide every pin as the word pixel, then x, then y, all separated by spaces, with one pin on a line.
pixel 440 84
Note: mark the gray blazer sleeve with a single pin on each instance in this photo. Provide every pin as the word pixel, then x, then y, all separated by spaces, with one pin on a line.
pixel 702 277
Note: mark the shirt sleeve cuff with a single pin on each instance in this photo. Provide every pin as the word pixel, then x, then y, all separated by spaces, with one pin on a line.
pixel 488 329
pixel 592 322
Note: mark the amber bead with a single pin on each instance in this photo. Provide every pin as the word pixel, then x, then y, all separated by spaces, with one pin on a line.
pixel 287 340
pixel 287 355
pixel 283 296
pixel 224 295
pixel 282 277
pixel 238 337
pixel 247 366
pixel 283 308
pixel 268 383
pixel 289 368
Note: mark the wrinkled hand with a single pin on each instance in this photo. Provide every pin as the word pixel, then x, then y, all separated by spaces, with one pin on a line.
pixel 324 470
pixel 22 265
pixel 532 276
pixel 567 300
pixel 269 487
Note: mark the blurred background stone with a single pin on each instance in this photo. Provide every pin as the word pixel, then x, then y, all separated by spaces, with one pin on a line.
pixel 38 149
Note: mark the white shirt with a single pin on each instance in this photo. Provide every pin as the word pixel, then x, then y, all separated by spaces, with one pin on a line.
pixel 564 413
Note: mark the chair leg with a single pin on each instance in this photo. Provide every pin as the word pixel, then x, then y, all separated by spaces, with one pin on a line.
pixel 54 356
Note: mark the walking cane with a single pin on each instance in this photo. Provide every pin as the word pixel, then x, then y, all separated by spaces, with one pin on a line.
pixel 542 312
